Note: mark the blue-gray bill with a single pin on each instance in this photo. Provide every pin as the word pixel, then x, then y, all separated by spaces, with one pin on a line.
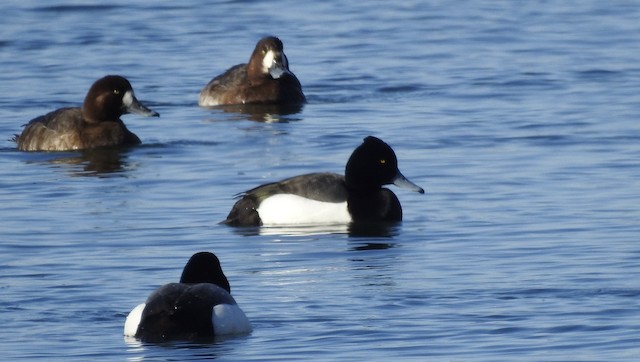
pixel 134 106
pixel 404 183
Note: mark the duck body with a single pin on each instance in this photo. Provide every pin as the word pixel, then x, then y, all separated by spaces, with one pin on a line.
pixel 266 79
pixel 199 307
pixel 319 198
pixel 66 129
pixel 96 124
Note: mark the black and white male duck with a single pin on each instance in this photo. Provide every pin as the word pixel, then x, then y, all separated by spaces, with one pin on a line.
pixel 199 307
pixel 329 198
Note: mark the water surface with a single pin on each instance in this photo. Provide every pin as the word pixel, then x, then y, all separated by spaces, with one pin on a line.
pixel 519 120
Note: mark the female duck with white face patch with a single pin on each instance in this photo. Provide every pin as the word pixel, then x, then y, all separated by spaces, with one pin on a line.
pixel 266 79
pixel 329 198
pixel 199 307
pixel 97 124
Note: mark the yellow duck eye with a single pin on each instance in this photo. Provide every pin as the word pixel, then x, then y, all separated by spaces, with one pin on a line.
pixel 383 161
pixel 116 91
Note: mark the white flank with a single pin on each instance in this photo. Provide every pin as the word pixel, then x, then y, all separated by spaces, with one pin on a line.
pixel 288 209
pixel 133 321
pixel 230 319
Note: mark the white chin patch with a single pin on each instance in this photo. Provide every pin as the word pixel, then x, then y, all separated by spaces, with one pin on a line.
pixel 230 319
pixel 288 209
pixel 133 321
pixel 127 99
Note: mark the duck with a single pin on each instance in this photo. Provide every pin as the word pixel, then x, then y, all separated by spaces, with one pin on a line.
pixel 96 124
pixel 265 79
pixel 329 198
pixel 199 307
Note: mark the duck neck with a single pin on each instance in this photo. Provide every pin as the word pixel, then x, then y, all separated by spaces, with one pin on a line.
pixel 359 184
pixel 100 112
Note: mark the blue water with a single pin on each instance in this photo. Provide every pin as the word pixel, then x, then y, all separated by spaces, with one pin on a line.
pixel 520 119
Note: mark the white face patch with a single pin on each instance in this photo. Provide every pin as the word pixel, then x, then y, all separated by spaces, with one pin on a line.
pixel 288 209
pixel 275 68
pixel 127 99
pixel 267 61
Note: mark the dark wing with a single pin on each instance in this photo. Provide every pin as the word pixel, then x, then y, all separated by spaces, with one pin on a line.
pixel 329 187
pixel 56 130
pixel 159 321
pixel 230 79
pixel 178 311
pixel 223 89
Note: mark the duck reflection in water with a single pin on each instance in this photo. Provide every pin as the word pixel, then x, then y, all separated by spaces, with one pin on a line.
pixel 268 113
pixel 383 230
pixel 94 162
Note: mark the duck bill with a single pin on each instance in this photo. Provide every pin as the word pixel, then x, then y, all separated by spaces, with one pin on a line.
pixel 131 104
pixel 404 183
pixel 277 70
pixel 279 66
